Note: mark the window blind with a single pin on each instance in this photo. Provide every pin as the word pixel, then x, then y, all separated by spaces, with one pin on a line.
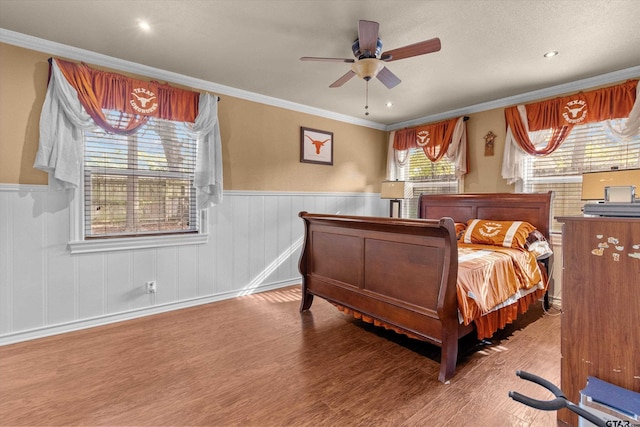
pixel 589 148
pixel 139 184
pixel 426 177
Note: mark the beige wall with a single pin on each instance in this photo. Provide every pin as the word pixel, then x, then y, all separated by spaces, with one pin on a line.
pixel 23 81
pixel 484 174
pixel 261 151
pixel 261 143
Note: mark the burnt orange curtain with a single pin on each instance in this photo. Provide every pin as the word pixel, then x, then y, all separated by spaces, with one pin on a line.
pixel 516 122
pixel 434 139
pixel 560 114
pixel 137 100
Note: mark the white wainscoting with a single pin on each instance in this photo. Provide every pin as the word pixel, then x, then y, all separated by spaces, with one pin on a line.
pixel 254 245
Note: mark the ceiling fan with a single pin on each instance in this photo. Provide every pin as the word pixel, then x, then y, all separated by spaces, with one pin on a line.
pixel 369 62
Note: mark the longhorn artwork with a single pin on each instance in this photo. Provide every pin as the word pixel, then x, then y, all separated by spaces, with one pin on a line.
pixel 316 146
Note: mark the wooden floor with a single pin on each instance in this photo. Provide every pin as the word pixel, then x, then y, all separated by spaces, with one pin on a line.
pixel 257 361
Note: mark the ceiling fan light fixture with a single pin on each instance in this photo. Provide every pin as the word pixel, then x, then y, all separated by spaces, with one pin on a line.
pixel 367 68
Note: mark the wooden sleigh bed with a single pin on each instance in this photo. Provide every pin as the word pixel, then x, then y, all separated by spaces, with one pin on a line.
pixel 402 274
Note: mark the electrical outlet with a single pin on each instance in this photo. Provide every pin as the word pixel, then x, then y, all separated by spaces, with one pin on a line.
pixel 151 287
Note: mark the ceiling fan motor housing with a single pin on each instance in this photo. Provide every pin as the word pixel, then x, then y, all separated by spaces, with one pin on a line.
pixel 355 48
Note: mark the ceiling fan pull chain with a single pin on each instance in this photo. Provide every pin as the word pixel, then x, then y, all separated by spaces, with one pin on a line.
pixel 366 106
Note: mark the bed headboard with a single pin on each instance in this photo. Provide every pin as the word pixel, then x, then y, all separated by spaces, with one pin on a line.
pixel 534 208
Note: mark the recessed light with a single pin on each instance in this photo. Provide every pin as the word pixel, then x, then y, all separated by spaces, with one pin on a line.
pixel 551 54
pixel 144 25
pixel 388 104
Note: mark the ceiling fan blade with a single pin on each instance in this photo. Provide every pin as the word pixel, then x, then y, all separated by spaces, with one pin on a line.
pixel 415 49
pixel 314 58
pixel 388 79
pixel 368 37
pixel 342 80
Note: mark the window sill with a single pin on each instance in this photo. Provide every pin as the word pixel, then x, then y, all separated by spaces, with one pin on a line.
pixel 129 243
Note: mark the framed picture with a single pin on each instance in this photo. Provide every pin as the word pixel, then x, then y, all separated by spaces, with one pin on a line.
pixel 316 146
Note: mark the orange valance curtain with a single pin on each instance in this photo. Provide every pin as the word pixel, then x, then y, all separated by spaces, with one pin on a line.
pixel 560 114
pixel 434 139
pixel 136 99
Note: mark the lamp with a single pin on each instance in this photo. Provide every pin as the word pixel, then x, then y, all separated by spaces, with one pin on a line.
pixel 395 190
pixel 611 186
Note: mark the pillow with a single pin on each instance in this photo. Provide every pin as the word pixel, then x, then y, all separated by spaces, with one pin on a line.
pixel 510 234
pixel 460 227
pixel 538 244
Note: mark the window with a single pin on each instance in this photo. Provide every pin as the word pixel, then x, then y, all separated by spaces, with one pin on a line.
pixel 130 191
pixel 589 148
pixel 426 177
pixel 139 184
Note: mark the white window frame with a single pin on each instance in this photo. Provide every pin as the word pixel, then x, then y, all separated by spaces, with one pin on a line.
pixel 402 175
pixel 79 244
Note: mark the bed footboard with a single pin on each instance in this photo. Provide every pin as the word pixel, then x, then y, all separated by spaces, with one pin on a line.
pixel 400 272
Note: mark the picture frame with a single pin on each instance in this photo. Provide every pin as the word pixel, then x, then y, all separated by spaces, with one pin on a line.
pixel 316 146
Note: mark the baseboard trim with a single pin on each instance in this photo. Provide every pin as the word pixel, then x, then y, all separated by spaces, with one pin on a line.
pixel 555 302
pixel 63 328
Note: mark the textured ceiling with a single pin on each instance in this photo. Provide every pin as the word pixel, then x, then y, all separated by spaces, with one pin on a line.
pixel 491 49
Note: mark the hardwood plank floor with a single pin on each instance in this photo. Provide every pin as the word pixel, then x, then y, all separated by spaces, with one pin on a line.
pixel 256 361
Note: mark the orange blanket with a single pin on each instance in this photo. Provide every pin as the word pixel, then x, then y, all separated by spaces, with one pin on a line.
pixel 489 276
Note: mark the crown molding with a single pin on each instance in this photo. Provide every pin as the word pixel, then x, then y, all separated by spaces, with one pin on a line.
pixel 588 83
pixel 76 54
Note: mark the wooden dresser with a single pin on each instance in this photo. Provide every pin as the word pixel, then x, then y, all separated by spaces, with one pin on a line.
pixel 600 304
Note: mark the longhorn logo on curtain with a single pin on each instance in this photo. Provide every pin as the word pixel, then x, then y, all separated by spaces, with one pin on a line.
pixel 575 111
pixel 422 138
pixel 143 100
